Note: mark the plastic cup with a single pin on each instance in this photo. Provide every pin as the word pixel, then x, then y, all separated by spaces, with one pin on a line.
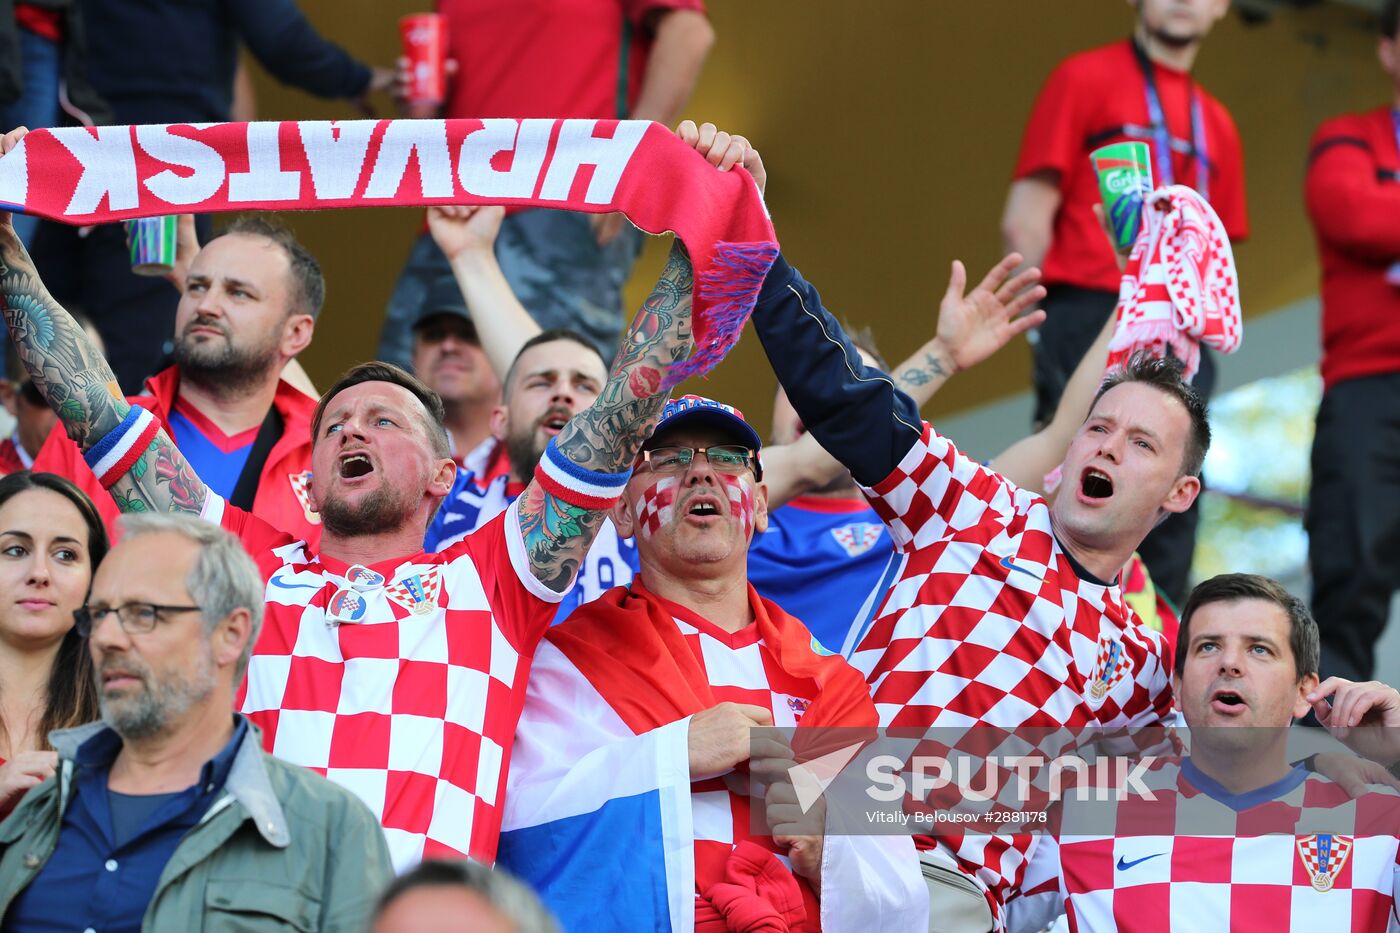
pixel 1125 181
pixel 425 46
pixel 152 241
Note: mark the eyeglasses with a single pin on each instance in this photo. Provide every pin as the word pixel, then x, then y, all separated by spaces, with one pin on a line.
pixel 134 618
pixel 726 458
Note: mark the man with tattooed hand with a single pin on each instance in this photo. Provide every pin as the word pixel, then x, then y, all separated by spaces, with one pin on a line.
pixel 397 673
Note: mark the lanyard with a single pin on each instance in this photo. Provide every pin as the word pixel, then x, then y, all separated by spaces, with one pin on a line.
pixel 1395 121
pixel 1162 141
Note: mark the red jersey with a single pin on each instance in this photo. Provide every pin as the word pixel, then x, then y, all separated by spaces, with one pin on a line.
pixel 1100 97
pixel 989 622
pixel 1336 870
pixel 13 459
pixel 281 499
pixel 549 58
pixel 1353 199
pixel 401 681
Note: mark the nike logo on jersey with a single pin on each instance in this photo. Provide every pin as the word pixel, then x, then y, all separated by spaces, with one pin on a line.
pixel 1124 865
pixel 277 582
pixel 1010 565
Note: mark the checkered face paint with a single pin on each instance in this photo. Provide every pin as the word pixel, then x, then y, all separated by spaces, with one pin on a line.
pixel 740 500
pixel 656 506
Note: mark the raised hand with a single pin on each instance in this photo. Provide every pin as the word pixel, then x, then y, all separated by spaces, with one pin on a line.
pixel 1366 716
pixel 974 325
pixel 7 142
pixel 722 150
pixel 462 228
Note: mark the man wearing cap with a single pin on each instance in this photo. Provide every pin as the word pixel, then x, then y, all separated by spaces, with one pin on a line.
pixel 449 359
pixel 636 730
pixel 248 305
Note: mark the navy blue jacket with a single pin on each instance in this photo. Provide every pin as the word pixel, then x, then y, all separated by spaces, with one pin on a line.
pixel 853 410
pixel 173 61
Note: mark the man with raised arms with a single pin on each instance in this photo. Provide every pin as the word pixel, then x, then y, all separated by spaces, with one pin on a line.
pixel 397 673
pixel 1003 605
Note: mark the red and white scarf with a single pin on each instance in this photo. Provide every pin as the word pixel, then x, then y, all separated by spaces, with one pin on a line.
pixel 85 175
pixel 1180 288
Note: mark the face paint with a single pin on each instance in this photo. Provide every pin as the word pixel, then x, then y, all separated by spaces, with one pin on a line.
pixel 740 501
pixel 656 505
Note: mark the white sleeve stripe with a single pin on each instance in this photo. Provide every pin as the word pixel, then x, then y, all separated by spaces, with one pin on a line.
pixel 213 509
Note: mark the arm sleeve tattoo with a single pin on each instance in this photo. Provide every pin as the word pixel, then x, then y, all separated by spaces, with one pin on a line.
pixel 72 375
pixel 607 436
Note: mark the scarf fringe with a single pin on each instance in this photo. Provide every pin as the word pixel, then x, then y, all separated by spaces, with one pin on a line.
pixel 726 290
pixel 1156 337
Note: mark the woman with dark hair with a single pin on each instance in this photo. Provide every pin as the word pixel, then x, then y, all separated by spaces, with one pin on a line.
pixel 51 540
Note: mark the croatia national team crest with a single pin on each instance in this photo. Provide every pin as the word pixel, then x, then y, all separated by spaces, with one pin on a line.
pixel 1112 664
pixel 858 538
pixel 1323 856
pixel 417 593
pixel 301 486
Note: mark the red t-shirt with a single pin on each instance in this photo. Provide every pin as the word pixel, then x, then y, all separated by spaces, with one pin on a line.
pixel 44 22
pixel 1091 100
pixel 12 460
pixel 549 58
pixel 1354 201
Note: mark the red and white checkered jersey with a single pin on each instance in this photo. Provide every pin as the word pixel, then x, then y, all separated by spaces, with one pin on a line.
pixel 1335 869
pixel 410 699
pixel 741 668
pixel 990 622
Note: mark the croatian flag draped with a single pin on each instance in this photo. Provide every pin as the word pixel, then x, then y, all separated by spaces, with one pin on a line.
pixel 604 819
pixel 87 175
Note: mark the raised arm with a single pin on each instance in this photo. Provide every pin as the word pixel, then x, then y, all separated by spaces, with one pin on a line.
pixel 467 237
pixel 970 328
pixel 855 411
pixel 135 460
pixel 598 446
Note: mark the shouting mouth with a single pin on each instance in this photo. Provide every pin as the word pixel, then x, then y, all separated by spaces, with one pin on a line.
pixel 1095 484
pixel 355 465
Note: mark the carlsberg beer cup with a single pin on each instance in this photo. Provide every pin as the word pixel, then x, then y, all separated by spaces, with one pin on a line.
pixel 1125 181
pixel 152 241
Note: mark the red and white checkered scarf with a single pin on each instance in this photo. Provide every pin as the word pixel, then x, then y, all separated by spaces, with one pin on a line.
pixel 1180 288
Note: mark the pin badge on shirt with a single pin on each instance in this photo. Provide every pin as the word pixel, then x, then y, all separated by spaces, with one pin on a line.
pixel 362 578
pixel 346 606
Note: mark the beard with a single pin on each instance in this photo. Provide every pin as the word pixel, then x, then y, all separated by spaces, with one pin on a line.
pixel 382 510
pixel 220 362
pixel 523 446
pixel 159 703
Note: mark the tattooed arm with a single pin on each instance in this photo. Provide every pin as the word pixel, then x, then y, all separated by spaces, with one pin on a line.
pixel 607 436
pixel 72 375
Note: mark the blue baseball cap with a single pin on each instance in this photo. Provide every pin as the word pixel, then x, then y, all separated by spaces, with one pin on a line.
pixel 696 409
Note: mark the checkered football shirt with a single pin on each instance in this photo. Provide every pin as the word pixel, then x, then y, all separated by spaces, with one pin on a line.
pixel 988 622
pixel 741 668
pixel 1247 876
pixel 412 705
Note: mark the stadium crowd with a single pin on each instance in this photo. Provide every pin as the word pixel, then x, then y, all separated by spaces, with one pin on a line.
pixel 499 633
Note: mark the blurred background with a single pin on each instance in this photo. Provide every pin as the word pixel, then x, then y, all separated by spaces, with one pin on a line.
pixel 889 130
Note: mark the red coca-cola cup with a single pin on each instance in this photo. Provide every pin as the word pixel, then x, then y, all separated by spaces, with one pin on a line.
pixel 425 46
